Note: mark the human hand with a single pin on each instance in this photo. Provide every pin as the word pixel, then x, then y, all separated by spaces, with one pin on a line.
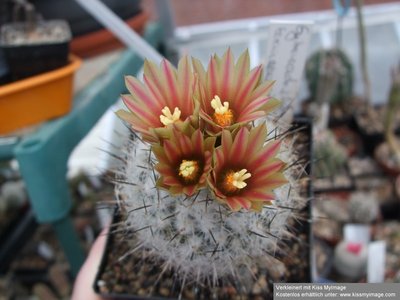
pixel 83 287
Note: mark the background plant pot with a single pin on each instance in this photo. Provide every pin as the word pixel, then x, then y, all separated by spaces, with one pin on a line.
pixel 31 52
pixel 370 138
pixel 14 236
pixel 38 98
pixel 324 254
pixel 135 278
pixel 81 22
pixel 101 41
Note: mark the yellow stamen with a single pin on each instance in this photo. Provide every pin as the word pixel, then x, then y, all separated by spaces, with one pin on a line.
pixel 218 107
pixel 168 118
pixel 189 169
pixel 236 180
pixel 240 177
pixel 223 115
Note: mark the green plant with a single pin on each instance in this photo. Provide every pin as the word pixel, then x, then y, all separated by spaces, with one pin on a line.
pixel 363 52
pixel 331 157
pixel 392 108
pixel 329 75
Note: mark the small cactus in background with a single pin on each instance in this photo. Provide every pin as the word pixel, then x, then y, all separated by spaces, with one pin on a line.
pixel 331 157
pixel 329 75
pixel 205 191
pixel 363 207
pixel 350 260
pixel 392 108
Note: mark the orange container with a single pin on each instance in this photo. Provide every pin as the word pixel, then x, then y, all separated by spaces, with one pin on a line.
pixel 37 98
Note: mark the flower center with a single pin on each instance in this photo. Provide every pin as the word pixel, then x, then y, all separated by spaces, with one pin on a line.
pixel 189 170
pixel 223 116
pixel 168 118
pixel 235 181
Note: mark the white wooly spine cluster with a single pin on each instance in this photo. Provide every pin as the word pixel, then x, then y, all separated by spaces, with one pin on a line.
pixel 200 238
pixel 363 207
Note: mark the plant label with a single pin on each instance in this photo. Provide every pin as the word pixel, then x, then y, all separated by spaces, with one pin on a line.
pixel 357 233
pixel 376 262
pixel 286 52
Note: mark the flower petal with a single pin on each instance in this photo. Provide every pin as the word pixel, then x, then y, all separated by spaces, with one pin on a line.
pixel 153 73
pixel 245 89
pixel 137 89
pixel 259 195
pixel 239 146
pixel 244 202
pixel 141 111
pixel 170 79
pixel 233 204
pixel 270 182
pixel 213 82
pixel 227 74
pixel 270 168
pixel 171 151
pixel 263 89
pixel 226 143
pixel 268 152
pixel 242 68
pixel 257 137
pixel 253 106
pixel 190 190
pixel 252 116
pixel 185 83
pixel 272 105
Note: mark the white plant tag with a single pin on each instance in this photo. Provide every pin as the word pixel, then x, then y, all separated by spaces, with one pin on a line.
pixel 376 262
pixel 357 233
pixel 285 56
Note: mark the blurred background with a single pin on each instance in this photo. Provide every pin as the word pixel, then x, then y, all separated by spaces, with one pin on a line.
pixel 61 74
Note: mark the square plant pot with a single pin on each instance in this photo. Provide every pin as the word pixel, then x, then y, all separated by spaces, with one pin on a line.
pixel 37 98
pixel 124 276
pixel 29 51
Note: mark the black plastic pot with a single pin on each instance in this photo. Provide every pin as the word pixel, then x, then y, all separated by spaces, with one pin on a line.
pixel 370 140
pixel 80 21
pixel 304 150
pixel 14 237
pixel 27 58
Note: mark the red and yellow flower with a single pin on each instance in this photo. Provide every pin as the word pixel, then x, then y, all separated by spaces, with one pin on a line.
pixel 184 160
pixel 231 94
pixel 246 171
pixel 165 97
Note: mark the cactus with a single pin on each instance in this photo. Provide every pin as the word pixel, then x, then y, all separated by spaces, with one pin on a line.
pixel 197 236
pixel 363 207
pixel 212 199
pixel 331 157
pixel 329 75
pixel 363 52
pixel 350 260
pixel 392 108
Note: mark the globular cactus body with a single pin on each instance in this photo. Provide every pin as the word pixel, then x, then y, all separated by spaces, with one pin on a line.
pixel 331 157
pixel 329 75
pixel 206 192
pixel 200 238
pixel 363 207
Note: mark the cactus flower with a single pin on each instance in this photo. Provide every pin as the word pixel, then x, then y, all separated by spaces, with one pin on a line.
pixel 246 170
pixel 232 94
pixel 184 161
pixel 165 97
